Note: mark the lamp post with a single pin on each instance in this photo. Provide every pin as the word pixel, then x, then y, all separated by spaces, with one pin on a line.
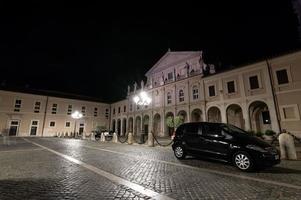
pixel 76 115
pixel 142 99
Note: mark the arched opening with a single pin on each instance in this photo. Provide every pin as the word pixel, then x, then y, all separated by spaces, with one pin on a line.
pixel 196 115
pixel 157 125
pixel 169 117
pixel 183 114
pixel 214 114
pixel 137 126
pixel 145 124
pixel 259 116
pixel 130 126
pixel 124 126
pixel 113 125
pixel 118 127
pixel 234 116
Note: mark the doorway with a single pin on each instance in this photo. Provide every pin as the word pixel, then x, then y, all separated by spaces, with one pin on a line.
pixel 14 127
pixel 34 127
pixel 81 128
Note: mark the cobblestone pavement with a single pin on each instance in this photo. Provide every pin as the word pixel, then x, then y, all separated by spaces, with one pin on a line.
pixel 29 171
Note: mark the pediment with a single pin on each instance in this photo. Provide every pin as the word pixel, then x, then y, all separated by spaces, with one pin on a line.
pixel 172 58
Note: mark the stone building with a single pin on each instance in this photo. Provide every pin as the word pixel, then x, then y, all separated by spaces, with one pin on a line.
pixel 28 114
pixel 259 96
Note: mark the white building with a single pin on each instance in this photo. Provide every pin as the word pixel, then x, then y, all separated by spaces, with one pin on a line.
pixel 260 96
pixel 27 114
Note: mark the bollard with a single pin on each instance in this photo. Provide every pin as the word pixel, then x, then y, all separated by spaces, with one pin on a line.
pixel 84 135
pixel 150 139
pixel 92 136
pixel 287 146
pixel 130 138
pixel 115 139
pixel 102 137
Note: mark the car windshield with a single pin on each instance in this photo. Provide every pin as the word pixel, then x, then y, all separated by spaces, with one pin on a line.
pixel 234 130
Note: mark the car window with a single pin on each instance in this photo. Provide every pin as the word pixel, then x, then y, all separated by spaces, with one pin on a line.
pixel 191 129
pixel 212 130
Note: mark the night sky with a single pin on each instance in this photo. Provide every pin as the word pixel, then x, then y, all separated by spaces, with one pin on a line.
pixel 96 50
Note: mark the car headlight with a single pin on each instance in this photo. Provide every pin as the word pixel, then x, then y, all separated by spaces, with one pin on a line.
pixel 256 148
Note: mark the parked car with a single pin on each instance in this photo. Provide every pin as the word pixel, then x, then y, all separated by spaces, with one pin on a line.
pixel 224 142
pixel 108 135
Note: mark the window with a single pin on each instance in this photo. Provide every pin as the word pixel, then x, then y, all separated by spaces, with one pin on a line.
pixel 282 76
pixel 211 91
pixel 52 124
pixel 18 104
pixel 231 87
pixel 69 110
pixel 266 117
pixel 113 111
pixel 124 108
pixel 54 108
pixel 195 93
pixel 34 127
pixel 131 107
pixel 181 95
pixel 84 110
pixel 169 76
pixel 67 124
pixel 253 80
pixel 95 112
pixel 191 129
pixel 118 109
pixel 37 106
pixel 289 113
pixel 168 98
pixel 213 130
pixel 107 113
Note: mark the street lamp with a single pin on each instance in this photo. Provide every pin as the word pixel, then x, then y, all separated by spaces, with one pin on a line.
pixel 142 99
pixel 76 115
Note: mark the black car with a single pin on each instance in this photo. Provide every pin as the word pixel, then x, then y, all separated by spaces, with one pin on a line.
pixel 224 142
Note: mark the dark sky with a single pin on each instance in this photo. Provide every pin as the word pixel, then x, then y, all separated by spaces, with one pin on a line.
pixel 97 50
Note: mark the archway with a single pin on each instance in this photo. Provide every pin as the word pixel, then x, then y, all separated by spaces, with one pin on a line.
pixel 157 125
pixel 234 116
pixel 137 126
pixel 168 130
pixel 196 115
pixel 113 125
pixel 214 114
pixel 118 127
pixel 145 124
pixel 259 116
pixel 130 126
pixel 124 126
pixel 183 114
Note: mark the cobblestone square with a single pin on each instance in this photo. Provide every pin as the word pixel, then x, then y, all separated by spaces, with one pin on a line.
pixel 56 168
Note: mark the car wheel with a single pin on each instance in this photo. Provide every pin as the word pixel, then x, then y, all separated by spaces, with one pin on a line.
pixel 243 161
pixel 179 152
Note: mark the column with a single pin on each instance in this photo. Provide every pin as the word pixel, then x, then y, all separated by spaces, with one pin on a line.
pixel 121 127
pixel 223 114
pixel 246 116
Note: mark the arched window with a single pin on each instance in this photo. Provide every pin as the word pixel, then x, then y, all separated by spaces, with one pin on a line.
pixel 168 98
pixel 181 95
pixel 195 92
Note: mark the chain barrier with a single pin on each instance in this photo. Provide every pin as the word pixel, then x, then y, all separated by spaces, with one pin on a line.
pixel 163 145
pixel 125 140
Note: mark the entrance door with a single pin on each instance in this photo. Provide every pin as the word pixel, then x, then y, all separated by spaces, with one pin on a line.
pixel 146 129
pixel 81 128
pixel 14 127
pixel 34 127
